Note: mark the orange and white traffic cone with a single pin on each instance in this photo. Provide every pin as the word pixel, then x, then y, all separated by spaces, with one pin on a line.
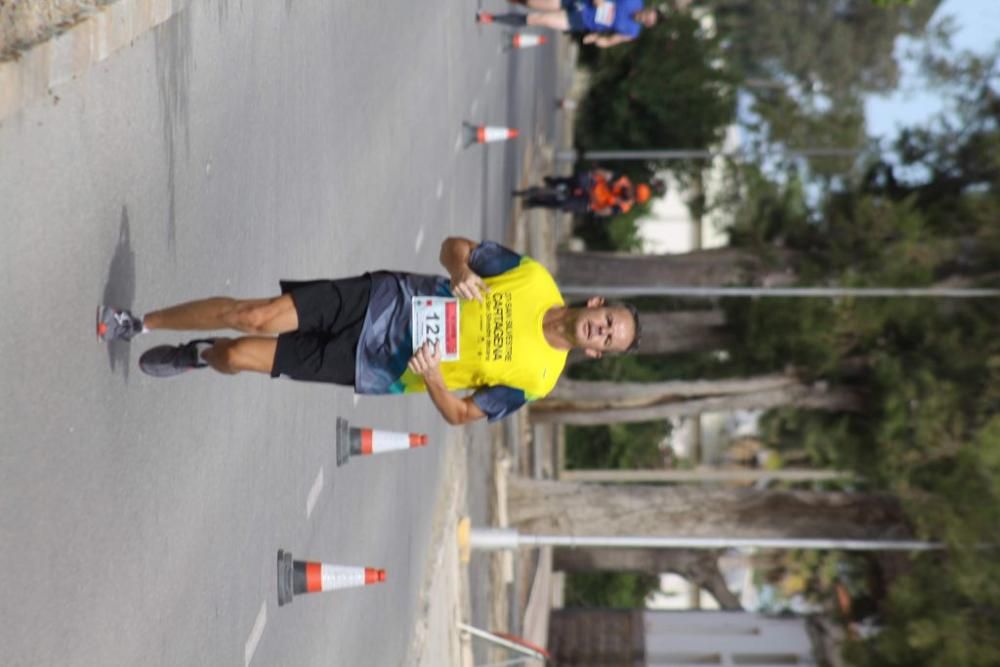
pixel 354 441
pixel 526 40
pixel 485 134
pixel 297 577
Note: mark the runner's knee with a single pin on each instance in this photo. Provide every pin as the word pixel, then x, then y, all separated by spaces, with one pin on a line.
pixel 254 318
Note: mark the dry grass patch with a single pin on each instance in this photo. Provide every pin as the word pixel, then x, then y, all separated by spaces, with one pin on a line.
pixel 24 23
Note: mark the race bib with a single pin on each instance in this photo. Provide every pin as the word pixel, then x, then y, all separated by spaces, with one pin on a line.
pixel 605 14
pixel 435 319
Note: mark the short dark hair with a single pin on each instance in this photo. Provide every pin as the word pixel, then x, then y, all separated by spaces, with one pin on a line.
pixel 634 345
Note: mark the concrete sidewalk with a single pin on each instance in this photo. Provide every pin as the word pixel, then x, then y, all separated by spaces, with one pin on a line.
pixel 444 598
pixel 69 53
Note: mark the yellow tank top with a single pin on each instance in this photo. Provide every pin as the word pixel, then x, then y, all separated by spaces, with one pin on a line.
pixel 501 339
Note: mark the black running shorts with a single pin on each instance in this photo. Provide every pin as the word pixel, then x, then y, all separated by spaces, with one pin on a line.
pixel 331 315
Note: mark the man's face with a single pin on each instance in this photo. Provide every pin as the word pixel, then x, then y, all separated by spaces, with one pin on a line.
pixel 598 329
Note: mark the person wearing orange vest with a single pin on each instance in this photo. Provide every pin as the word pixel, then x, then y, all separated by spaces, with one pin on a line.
pixel 603 23
pixel 598 191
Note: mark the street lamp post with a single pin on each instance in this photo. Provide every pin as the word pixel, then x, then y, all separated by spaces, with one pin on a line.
pixel 499 539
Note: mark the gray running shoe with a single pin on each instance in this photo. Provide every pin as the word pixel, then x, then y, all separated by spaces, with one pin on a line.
pixel 116 324
pixel 165 361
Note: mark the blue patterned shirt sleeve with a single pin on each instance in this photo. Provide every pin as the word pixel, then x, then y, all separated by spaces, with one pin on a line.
pixel 499 401
pixel 491 259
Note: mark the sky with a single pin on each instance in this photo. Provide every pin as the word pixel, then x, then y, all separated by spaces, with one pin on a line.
pixel 978 28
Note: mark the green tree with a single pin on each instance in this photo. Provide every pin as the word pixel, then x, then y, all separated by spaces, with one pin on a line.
pixel 670 88
pixel 928 432
pixel 804 65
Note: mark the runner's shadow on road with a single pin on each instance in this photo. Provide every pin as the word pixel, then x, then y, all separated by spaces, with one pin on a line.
pixel 120 291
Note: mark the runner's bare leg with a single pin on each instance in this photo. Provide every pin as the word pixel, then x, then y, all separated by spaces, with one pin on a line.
pixel 254 316
pixel 249 353
pixel 556 20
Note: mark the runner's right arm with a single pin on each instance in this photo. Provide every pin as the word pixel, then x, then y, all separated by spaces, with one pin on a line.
pixel 455 254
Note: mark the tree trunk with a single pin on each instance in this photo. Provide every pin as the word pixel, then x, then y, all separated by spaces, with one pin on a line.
pixel 567 508
pixel 598 394
pixel 674 332
pixel 599 405
pixel 698 567
pixel 717 266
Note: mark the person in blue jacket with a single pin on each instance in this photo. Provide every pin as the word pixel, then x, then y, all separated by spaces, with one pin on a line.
pixel 603 23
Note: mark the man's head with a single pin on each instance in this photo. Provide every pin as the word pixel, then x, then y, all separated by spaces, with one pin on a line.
pixel 647 16
pixel 601 327
pixel 642 193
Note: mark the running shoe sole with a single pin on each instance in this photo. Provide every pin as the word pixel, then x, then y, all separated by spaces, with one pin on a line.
pixel 164 361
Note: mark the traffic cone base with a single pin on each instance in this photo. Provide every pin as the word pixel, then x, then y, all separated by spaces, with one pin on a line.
pixel 343 441
pixel 284 577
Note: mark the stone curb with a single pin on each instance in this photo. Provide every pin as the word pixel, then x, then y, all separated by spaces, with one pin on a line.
pixel 69 54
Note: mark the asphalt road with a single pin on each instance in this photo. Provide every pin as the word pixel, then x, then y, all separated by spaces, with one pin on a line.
pixel 236 144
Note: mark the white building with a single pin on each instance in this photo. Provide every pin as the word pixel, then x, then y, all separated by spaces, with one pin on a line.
pixel 671 228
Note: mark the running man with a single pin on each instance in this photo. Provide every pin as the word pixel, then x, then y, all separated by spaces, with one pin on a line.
pixel 603 23
pixel 598 191
pixel 515 332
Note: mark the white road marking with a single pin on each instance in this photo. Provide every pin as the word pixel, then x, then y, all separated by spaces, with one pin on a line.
pixel 474 107
pixel 420 239
pixel 314 493
pixel 489 75
pixel 440 189
pixel 255 634
pixel 356 398
pixel 458 141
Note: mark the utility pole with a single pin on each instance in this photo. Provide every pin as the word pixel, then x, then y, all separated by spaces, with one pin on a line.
pixel 498 539
pixel 667 154
pixel 700 475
